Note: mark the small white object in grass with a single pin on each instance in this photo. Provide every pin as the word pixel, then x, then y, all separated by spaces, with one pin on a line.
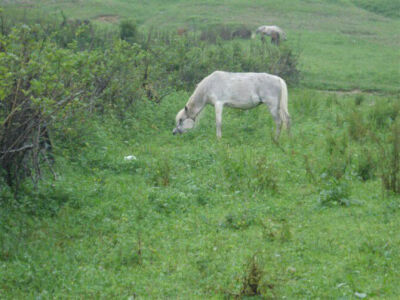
pixel 130 157
pixel 360 295
pixel 291 270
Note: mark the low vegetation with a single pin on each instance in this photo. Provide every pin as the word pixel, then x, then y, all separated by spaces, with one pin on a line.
pixel 99 200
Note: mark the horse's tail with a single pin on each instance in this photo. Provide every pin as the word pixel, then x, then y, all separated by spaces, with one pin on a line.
pixel 283 105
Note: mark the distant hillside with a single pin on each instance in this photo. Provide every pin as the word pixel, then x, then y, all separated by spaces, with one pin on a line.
pixel 344 44
pixel 388 8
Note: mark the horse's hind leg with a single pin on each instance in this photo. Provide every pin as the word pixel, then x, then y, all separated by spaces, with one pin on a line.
pixel 274 110
pixel 278 124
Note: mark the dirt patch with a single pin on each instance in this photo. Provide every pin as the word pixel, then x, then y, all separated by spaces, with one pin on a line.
pixel 349 92
pixel 23 2
pixel 357 32
pixel 107 18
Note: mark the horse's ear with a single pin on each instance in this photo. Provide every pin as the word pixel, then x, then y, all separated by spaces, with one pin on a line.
pixel 186 109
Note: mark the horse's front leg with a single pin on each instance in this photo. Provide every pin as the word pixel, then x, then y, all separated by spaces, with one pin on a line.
pixel 218 118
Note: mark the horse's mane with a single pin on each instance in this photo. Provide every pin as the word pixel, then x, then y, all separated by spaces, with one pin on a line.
pixel 195 103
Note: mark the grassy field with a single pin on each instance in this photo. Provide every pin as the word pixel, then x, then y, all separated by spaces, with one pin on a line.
pixel 194 217
pixel 343 46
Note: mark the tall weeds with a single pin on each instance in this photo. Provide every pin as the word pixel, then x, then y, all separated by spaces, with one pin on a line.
pixel 390 160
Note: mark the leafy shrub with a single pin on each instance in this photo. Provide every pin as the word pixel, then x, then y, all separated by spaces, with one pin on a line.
pixel 46 87
pixel 333 192
pixel 76 31
pixel 81 32
pixel 43 85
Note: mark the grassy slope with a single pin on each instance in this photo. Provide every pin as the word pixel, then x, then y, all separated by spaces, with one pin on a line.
pixel 343 46
pixel 186 217
pixel 124 233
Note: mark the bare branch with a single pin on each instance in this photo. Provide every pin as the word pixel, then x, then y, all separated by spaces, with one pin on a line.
pixel 26 147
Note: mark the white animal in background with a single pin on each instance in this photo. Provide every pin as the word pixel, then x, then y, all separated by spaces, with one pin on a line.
pixel 275 32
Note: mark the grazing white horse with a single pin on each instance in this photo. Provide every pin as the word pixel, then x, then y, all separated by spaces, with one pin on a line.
pixel 238 90
pixel 275 32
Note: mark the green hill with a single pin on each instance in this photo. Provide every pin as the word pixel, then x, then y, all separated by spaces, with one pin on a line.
pixel 345 45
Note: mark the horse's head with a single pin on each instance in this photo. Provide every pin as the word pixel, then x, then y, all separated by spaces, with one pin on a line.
pixel 183 122
pixel 260 29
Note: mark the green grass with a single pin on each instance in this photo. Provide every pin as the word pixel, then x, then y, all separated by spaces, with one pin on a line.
pixel 343 45
pixel 383 7
pixel 190 214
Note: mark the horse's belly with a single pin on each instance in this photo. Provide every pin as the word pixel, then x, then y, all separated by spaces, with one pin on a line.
pixel 243 104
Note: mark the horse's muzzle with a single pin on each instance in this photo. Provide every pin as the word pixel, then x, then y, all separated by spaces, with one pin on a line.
pixel 175 131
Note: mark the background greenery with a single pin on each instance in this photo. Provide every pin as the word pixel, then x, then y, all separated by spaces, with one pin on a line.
pixel 191 216
pixel 344 44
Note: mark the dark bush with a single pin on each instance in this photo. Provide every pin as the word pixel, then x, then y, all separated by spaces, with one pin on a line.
pixel 242 32
pixel 359 99
pixel 193 60
pixel 224 32
pixel 128 31
pixel 213 33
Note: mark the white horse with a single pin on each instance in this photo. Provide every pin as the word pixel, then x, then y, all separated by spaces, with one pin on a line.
pixel 275 32
pixel 238 90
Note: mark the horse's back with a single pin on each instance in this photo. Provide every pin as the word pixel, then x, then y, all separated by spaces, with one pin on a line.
pixel 240 89
pixel 247 81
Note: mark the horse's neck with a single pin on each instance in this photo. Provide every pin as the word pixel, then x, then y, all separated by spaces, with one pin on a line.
pixel 195 105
